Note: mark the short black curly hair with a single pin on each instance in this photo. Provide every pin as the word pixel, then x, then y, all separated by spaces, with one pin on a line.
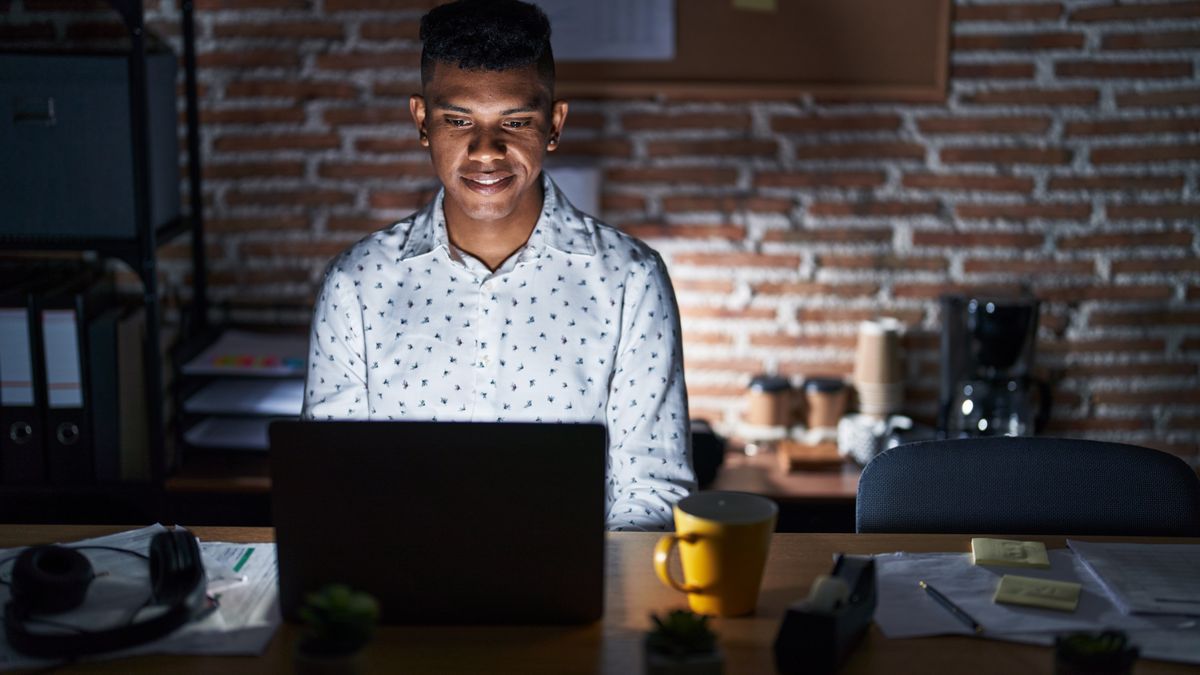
pixel 487 35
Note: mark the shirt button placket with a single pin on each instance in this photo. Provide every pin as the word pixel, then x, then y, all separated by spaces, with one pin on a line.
pixel 486 337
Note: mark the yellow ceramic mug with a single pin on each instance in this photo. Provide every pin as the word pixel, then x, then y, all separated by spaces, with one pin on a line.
pixel 723 539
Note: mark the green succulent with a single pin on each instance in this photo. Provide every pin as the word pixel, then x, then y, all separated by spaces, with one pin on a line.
pixel 682 633
pixel 1107 649
pixel 338 620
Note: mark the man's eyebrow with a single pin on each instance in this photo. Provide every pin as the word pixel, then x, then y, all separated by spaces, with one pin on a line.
pixel 452 108
pixel 442 105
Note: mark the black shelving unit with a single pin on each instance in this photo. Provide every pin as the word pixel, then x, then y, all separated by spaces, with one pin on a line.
pixel 140 252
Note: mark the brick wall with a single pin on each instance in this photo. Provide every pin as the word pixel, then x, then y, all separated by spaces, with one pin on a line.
pixel 1066 156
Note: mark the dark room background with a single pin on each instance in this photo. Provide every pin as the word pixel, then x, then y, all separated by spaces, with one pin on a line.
pixel 1066 156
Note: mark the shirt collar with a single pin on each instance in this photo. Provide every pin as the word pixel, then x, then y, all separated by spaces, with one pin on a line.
pixel 560 226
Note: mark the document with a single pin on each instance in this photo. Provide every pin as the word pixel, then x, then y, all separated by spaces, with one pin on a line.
pixel 1146 578
pixel 260 396
pixel 905 610
pixel 613 30
pixel 241 576
pixel 230 433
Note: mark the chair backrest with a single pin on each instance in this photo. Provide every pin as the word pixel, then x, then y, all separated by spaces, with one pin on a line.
pixel 1028 485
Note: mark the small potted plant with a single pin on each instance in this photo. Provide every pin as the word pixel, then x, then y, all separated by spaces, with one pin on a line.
pixel 1106 652
pixel 338 623
pixel 682 644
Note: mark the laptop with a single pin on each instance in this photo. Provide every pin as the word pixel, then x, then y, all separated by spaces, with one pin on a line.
pixel 443 522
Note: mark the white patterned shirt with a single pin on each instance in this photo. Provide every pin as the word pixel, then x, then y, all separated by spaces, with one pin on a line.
pixel 579 325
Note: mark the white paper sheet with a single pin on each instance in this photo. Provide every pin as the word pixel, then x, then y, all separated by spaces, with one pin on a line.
pixel 613 30
pixel 243 624
pixel 905 611
pixel 1146 578
pixel 235 396
pixel 230 433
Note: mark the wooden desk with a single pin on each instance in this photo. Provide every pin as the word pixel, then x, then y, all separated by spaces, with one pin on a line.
pixel 614 645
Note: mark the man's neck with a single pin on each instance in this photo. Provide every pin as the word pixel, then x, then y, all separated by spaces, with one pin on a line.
pixel 492 241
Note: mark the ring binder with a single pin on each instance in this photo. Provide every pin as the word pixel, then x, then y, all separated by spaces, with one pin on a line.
pixel 22 384
pixel 64 317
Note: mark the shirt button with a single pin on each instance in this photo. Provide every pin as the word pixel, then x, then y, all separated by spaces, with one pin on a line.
pixel 485 361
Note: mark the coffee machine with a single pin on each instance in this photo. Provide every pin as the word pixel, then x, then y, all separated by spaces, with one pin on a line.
pixel 987 349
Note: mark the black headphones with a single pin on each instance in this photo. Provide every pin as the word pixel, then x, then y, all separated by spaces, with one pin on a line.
pixel 50 579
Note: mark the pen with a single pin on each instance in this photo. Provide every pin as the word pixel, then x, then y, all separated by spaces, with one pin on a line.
pixel 954 609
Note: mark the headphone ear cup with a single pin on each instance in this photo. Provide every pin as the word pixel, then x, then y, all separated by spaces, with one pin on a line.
pixel 49 579
pixel 176 577
pixel 175 566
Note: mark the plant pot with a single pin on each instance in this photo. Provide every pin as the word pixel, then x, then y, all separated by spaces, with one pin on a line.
pixel 1069 659
pixel 307 663
pixel 1118 666
pixel 695 664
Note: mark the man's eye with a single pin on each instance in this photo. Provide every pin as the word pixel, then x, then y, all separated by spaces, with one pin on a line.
pixel 516 124
pixel 456 122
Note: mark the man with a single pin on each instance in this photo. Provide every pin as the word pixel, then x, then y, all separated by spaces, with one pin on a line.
pixel 499 301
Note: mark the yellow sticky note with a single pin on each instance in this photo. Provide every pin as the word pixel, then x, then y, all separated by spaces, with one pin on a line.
pixel 1045 593
pixel 756 5
pixel 1009 553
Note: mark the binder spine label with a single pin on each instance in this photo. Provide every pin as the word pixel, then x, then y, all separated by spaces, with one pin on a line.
pixel 64 383
pixel 16 359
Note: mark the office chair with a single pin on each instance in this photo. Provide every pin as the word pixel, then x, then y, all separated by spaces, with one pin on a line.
pixel 1028 485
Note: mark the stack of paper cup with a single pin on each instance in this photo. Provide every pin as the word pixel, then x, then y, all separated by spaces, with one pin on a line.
pixel 877 373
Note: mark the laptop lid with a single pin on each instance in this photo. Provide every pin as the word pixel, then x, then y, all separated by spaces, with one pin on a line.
pixel 443 522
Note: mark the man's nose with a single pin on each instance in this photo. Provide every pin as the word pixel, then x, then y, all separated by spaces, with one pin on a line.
pixel 486 146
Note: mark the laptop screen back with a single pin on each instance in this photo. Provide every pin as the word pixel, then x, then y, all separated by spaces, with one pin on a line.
pixel 443 522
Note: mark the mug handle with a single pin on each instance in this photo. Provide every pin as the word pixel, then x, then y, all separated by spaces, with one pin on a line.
pixel 662 555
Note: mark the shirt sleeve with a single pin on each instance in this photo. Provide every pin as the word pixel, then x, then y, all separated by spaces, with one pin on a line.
pixel 336 386
pixel 650 454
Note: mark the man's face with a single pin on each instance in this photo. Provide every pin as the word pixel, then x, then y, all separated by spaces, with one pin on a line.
pixel 487 133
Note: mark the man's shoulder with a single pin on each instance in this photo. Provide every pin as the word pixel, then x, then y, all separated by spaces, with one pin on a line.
pixel 616 246
pixel 379 249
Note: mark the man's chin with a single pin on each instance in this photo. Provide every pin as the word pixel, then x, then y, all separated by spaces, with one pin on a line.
pixel 485 210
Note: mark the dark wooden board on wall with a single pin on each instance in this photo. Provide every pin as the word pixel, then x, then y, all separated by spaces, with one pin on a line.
pixel 853 49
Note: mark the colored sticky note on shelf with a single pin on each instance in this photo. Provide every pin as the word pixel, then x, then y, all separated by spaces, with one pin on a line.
pixel 757 5
pixel 260 354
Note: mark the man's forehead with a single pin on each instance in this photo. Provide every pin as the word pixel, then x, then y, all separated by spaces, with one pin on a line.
pixel 467 90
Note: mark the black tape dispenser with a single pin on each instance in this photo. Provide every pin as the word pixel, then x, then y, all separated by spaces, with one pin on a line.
pixel 818 633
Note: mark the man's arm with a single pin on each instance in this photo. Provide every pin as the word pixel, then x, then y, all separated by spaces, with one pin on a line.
pixel 336 386
pixel 650 451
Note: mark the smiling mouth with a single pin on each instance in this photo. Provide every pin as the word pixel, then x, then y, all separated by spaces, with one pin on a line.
pixel 488 186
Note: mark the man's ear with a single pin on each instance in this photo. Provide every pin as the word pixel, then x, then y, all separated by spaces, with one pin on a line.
pixel 558 117
pixel 416 107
